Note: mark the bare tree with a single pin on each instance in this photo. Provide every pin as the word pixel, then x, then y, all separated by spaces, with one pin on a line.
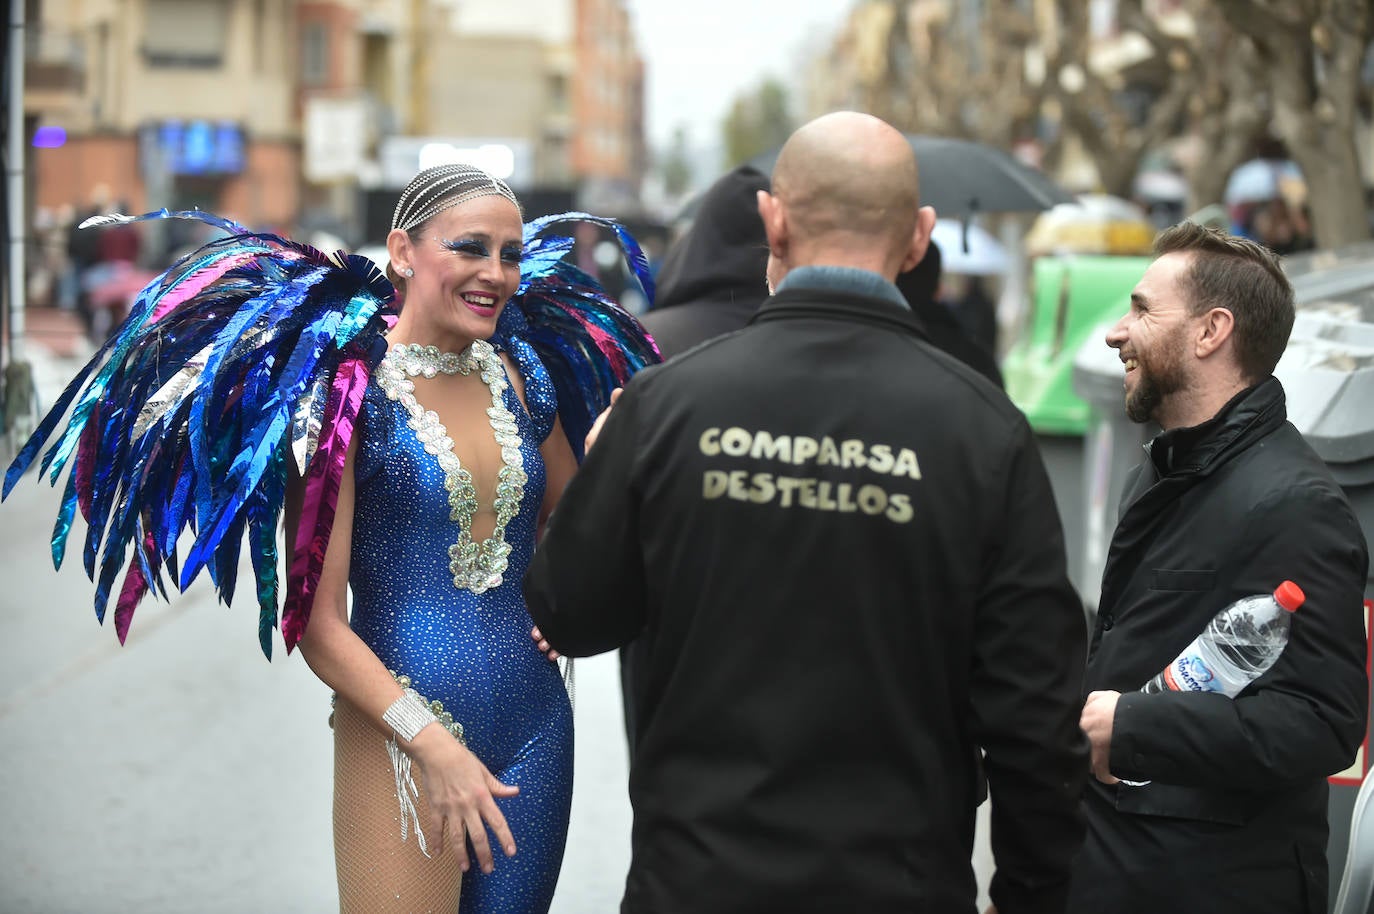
pixel 1229 109
pixel 1240 70
pixel 1205 81
pixel 1188 77
pixel 925 67
pixel 1312 52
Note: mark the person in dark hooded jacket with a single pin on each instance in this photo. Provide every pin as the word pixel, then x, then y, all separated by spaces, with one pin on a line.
pixel 712 279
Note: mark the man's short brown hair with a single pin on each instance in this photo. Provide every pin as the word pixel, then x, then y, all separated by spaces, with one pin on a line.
pixel 1243 277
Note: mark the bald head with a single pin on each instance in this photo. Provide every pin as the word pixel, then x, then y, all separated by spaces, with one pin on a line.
pixel 847 182
pixel 849 172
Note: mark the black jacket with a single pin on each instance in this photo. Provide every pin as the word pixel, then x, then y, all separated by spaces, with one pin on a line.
pixel 919 286
pixel 843 552
pixel 1235 819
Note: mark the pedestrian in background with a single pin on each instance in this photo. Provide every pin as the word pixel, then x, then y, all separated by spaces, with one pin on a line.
pixel 83 252
pixel 841 550
pixel 921 287
pixel 712 280
pixel 1229 502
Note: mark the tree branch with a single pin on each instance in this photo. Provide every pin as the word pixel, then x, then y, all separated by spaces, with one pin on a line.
pixel 1348 29
pixel 1254 19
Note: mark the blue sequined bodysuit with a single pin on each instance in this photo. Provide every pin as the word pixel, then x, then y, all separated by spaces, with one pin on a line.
pixel 472 652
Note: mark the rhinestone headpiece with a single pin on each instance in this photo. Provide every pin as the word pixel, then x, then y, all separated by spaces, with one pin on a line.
pixel 437 188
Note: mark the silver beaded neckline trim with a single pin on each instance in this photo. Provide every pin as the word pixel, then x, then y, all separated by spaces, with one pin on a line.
pixel 476 566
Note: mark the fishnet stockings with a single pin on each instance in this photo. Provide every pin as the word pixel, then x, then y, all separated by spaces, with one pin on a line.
pixel 378 874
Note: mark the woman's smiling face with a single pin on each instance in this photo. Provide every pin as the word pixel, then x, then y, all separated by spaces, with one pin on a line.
pixel 467 266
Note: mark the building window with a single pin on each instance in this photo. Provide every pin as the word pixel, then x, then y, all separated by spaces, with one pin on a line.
pixel 314 54
pixel 185 33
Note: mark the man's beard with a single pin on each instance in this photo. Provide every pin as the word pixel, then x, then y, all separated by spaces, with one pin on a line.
pixel 1156 381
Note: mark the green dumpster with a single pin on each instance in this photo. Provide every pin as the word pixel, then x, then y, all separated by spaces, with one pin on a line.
pixel 1071 297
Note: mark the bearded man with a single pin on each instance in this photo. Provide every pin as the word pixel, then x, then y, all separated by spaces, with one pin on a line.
pixel 1230 502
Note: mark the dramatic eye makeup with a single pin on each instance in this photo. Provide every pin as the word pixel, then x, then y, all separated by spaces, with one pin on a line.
pixel 475 247
pixel 469 246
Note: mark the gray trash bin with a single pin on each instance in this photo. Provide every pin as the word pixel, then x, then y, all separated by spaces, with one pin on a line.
pixel 1328 374
pixel 1112 447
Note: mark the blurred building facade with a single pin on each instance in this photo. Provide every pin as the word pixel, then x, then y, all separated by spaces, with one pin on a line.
pixel 154 99
pixel 307 114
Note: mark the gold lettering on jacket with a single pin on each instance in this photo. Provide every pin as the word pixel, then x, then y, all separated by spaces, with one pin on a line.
pixel 787 490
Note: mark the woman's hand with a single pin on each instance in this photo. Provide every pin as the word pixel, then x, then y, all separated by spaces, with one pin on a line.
pixel 600 421
pixel 542 644
pixel 462 797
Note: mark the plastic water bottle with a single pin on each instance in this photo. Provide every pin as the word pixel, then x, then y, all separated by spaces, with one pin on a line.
pixel 1238 645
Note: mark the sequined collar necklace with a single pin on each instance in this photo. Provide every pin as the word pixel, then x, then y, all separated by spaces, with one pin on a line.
pixel 476 566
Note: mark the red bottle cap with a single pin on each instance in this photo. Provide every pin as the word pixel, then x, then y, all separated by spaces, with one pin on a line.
pixel 1289 596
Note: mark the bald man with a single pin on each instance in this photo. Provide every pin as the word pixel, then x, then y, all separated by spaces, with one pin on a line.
pixel 842 553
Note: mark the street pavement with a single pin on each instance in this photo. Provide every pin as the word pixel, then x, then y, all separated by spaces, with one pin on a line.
pixel 184 772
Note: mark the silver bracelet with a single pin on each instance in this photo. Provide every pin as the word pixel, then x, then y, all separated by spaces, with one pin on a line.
pixel 408 715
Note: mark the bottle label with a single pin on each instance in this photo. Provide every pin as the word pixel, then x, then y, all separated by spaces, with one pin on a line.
pixel 1188 673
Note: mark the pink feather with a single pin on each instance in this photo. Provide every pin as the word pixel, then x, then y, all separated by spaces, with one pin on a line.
pixel 322 481
pixel 198 281
pixel 135 586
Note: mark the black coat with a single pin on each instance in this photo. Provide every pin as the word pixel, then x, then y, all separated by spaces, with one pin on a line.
pixel 945 332
pixel 1235 819
pixel 842 550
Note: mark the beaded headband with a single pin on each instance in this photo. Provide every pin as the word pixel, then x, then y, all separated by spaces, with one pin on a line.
pixel 436 189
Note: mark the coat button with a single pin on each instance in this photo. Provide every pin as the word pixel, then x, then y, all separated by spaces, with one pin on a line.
pixel 1105 621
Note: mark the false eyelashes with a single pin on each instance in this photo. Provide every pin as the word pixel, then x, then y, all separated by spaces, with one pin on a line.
pixel 474 248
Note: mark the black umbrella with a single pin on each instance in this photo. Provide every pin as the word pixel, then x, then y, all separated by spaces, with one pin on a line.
pixel 963 177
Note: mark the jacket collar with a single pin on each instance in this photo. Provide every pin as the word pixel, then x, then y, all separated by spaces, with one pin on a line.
pixel 1250 414
pixel 843 279
pixel 833 304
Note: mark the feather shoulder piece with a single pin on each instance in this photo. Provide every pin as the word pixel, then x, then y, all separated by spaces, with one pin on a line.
pixel 588 344
pixel 246 354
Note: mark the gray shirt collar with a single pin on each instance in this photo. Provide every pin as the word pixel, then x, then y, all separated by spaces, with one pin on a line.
pixel 843 279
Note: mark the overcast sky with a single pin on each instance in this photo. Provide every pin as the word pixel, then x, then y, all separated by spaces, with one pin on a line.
pixel 700 53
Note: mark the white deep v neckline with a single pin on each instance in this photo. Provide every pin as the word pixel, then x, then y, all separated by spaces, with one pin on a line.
pixel 475 566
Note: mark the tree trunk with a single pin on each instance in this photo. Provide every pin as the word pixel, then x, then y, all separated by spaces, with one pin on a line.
pixel 1315 85
pixel 1227 141
pixel 1231 107
pixel 1116 172
pixel 1207 181
pixel 1335 194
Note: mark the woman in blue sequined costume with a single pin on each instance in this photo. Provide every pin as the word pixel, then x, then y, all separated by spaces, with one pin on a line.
pixel 458 459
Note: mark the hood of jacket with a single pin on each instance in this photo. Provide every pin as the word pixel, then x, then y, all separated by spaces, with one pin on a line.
pixel 723 255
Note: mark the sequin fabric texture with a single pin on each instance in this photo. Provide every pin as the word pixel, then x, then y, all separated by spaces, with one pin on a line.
pixel 471 651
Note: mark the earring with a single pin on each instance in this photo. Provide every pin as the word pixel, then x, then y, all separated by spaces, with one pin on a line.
pixel 408 272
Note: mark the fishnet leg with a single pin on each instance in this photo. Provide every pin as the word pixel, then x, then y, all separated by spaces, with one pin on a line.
pixel 378 873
